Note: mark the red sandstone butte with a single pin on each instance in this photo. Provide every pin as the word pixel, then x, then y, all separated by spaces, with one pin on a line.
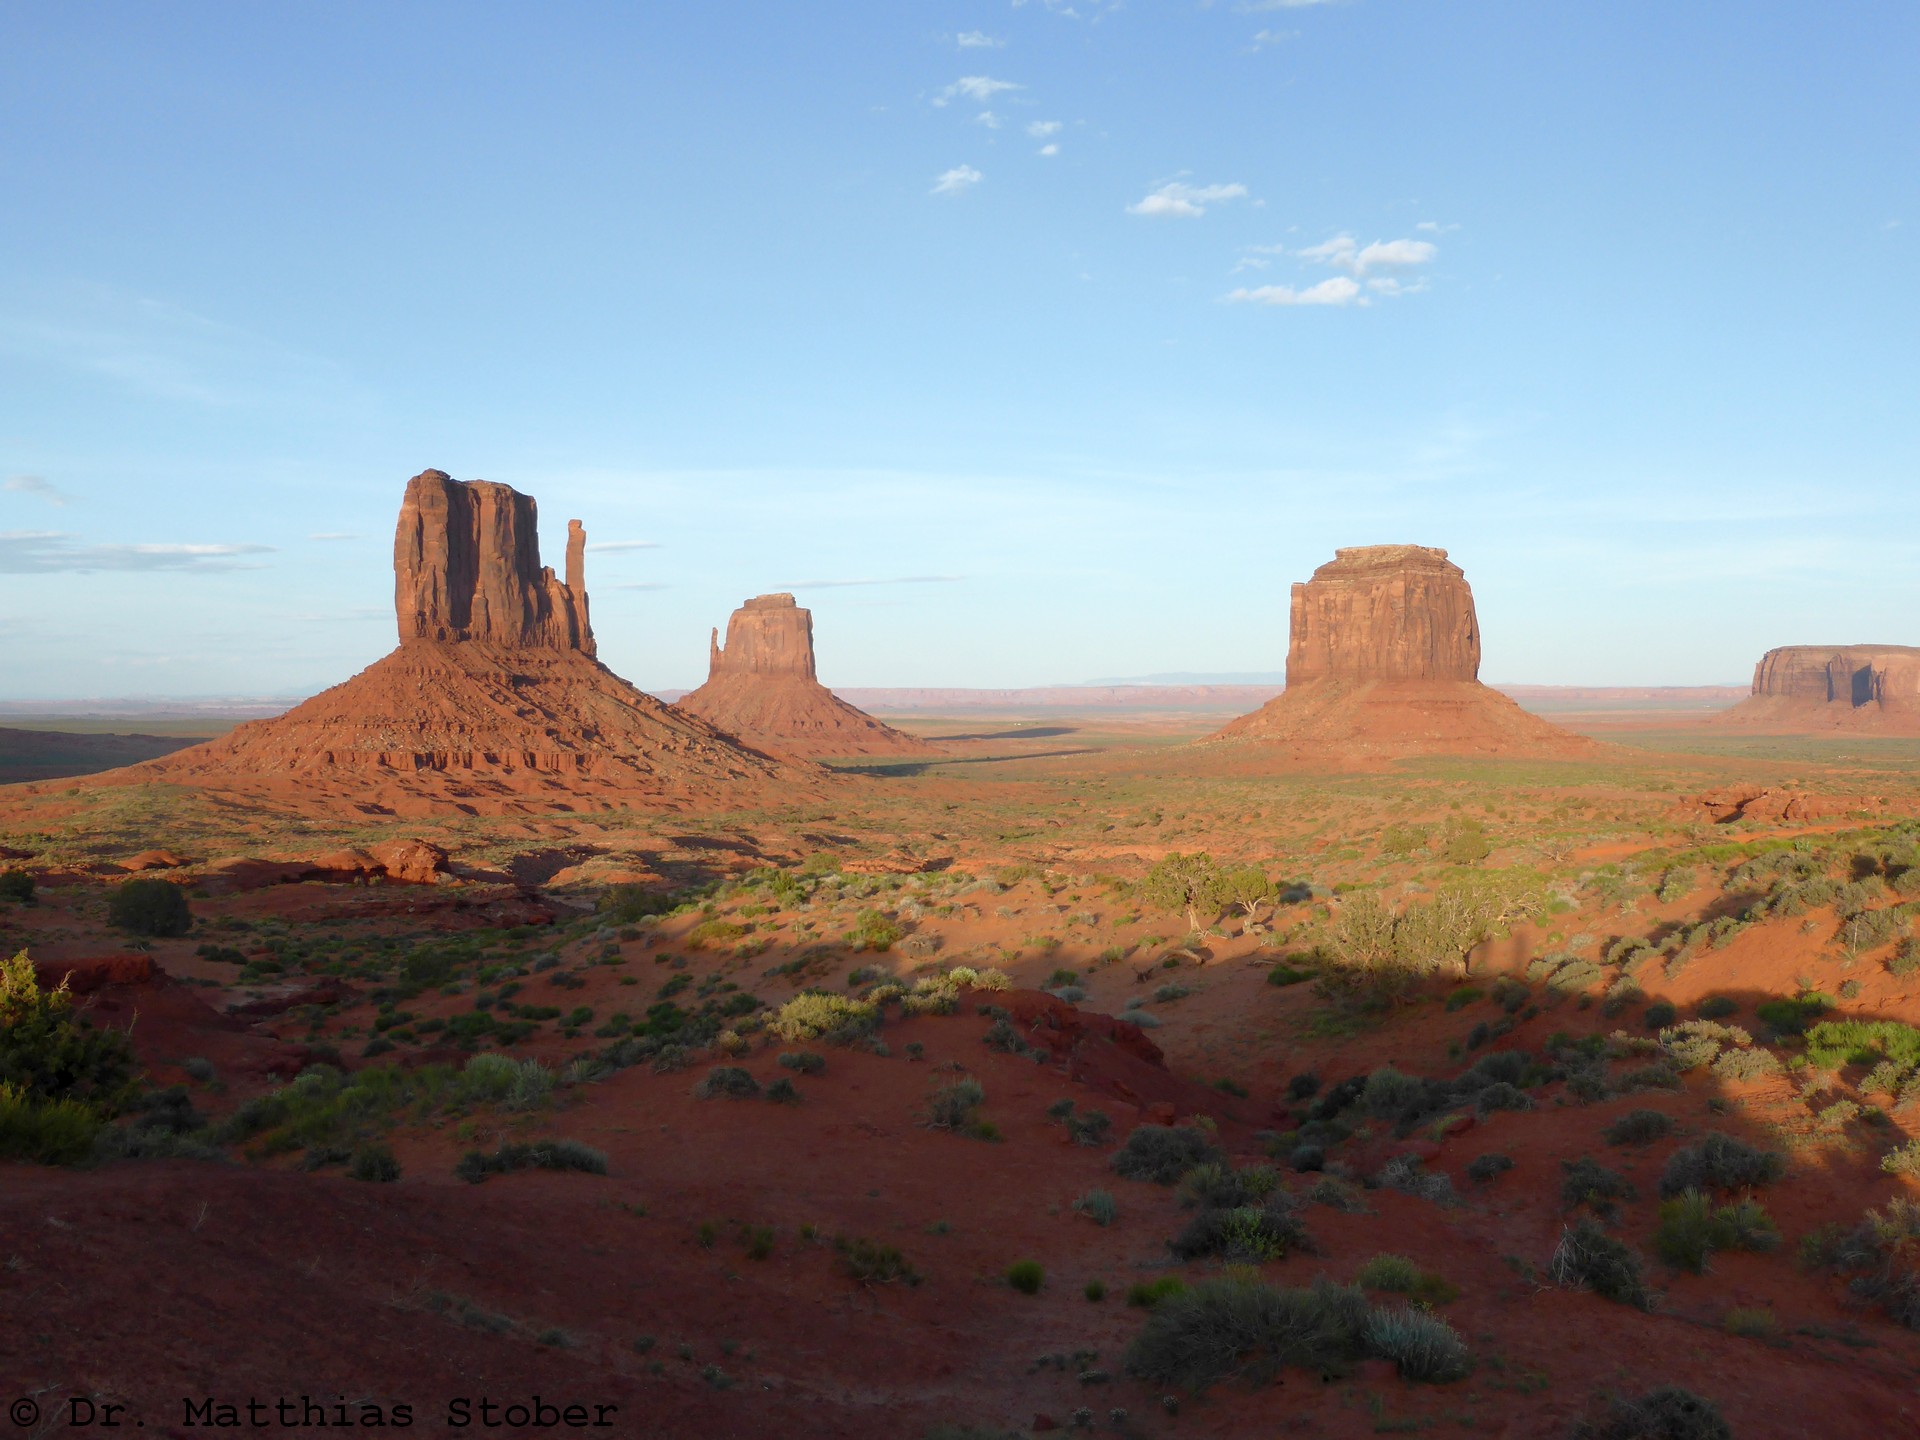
pixel 761 686
pixel 1833 687
pixel 493 700
pixel 1383 660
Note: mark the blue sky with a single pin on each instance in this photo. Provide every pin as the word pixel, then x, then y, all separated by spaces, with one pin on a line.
pixel 1028 343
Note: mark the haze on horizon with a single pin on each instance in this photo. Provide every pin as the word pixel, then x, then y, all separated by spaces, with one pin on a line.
pixel 1025 342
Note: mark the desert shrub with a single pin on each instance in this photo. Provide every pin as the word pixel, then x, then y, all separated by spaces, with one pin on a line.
pixel 1164 1153
pixel 1717 1007
pixel 1404 1173
pixel 783 1092
pixel 1793 1016
pixel 1719 1163
pixel 1668 1413
pixel 1464 842
pixel 1488 1167
pixel 1746 1065
pixel 156 908
pixel 1832 1043
pixel 16 885
pixel 1390 1093
pixel 1638 1127
pixel 1502 1096
pixel 374 1163
pixel 1026 1276
pixel 1659 1015
pixel 1249 1234
pixel 1903 1159
pixel 1234 1324
pixel 728 1082
pixel 161 1125
pixel 1696 1042
pixel 806 1062
pixel 817 1015
pixel 48 1053
pixel 1421 1345
pixel 45 1132
pixel 871 1263
pixel 509 1083
pixel 1089 1128
pixel 1388 1272
pixel 1098 1206
pixel 1691 1229
pixel 1587 1258
pixel 476 1165
pixel 1587 1182
pixel 952 1107
pixel 873 931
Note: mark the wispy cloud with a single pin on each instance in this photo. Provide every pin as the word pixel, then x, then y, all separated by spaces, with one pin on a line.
pixel 1181 200
pixel 1338 290
pixel 611 546
pixel 957 181
pixel 977 40
pixel 979 88
pixel 988 119
pixel 1048 150
pixel 894 580
pixel 1346 253
pixel 1433 227
pixel 328 536
pixel 1260 7
pixel 1264 38
pixel 1042 129
pixel 45 552
pixel 37 485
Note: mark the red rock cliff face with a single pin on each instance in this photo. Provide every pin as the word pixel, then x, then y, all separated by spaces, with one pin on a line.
pixel 1885 676
pixel 769 635
pixel 466 566
pixel 1384 612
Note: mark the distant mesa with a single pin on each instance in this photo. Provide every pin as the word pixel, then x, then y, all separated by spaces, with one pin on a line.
pixel 1383 660
pixel 761 687
pixel 493 700
pixel 1799 688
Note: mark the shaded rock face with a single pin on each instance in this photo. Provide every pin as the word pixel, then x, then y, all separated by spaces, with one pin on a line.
pixel 1384 612
pixel 769 635
pixel 466 566
pixel 1851 677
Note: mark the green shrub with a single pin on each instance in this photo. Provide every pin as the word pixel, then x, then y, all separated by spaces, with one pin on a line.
pixel 952 1106
pixel 1421 1345
pixel 1587 1258
pixel 1587 1182
pixel 1026 1276
pixel 16 885
pixel 1096 1290
pixel 871 1263
pixel 1659 1015
pixel 1792 1017
pixel 783 1092
pixel 1145 1294
pixel 1388 1272
pixel 156 908
pixel 374 1163
pixel 1098 1206
pixel 1691 1229
pixel 476 1166
pixel 1638 1127
pixel 873 931
pixel 807 1062
pixel 728 1081
pixel 1719 1163
pixel 1668 1413
pixel 1164 1153
pixel 1903 1159
pixel 815 1015
pixel 1248 1234
pixel 47 1053
pixel 45 1132
pixel 1488 1167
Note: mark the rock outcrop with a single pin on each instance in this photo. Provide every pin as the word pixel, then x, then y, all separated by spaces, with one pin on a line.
pixel 761 686
pixel 1384 612
pixel 466 566
pixel 1383 661
pixel 1833 687
pixel 492 701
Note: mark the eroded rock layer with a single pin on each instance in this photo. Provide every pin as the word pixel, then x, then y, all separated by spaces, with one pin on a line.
pixel 493 699
pixel 761 687
pixel 1833 687
pixel 1383 661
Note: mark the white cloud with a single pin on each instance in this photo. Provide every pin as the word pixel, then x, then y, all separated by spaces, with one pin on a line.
pixel 988 119
pixel 977 40
pixel 1344 252
pixel 956 181
pixel 978 88
pixel 1049 150
pixel 1338 290
pixel 331 535
pixel 1256 7
pixel 35 485
pixel 1263 38
pixel 40 552
pixel 606 547
pixel 1185 201
pixel 1434 228
pixel 1041 129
